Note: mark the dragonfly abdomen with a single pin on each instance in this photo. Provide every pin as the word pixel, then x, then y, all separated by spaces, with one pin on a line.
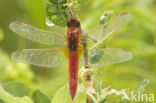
pixel 73 43
pixel 73 72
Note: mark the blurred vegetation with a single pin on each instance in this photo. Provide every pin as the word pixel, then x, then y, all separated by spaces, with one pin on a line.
pixel 139 36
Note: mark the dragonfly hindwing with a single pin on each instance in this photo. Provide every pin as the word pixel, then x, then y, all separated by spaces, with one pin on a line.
pixel 106 56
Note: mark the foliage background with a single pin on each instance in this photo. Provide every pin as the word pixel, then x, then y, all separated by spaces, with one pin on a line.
pixel 139 36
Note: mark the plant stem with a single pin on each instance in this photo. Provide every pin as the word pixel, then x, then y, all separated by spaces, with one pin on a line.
pixel 154 67
pixel 93 98
pixel 72 9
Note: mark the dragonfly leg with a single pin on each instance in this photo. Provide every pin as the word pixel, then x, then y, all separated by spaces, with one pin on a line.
pixel 94 40
pixel 86 35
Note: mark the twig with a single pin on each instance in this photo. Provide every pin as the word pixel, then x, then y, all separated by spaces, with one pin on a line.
pixel 93 98
pixel 72 9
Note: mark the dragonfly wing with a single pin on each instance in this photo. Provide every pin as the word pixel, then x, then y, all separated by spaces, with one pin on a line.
pixel 101 57
pixel 40 57
pixel 61 30
pixel 103 31
pixel 37 35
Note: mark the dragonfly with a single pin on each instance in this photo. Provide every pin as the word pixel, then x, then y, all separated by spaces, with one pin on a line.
pixel 71 46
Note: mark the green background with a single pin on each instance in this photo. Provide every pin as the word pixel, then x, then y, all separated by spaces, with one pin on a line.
pixel 139 36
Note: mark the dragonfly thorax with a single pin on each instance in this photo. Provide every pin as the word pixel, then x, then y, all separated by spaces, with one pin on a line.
pixel 73 38
pixel 73 23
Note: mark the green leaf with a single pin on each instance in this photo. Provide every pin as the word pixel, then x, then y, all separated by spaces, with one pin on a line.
pixel 16 89
pixel 58 12
pixel 39 97
pixel 118 95
pixel 105 16
pixel 1 101
pixel 8 98
pixel 63 96
pixel 143 85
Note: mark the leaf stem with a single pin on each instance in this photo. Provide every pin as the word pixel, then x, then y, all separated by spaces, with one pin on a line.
pixel 92 97
pixel 60 11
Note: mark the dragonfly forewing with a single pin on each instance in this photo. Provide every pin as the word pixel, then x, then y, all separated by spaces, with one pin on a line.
pixel 37 35
pixel 40 57
pixel 103 31
pixel 101 57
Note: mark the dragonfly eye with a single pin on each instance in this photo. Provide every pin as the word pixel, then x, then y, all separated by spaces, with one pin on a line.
pixel 73 23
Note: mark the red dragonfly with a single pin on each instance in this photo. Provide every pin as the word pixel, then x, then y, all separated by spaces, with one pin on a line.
pixel 71 46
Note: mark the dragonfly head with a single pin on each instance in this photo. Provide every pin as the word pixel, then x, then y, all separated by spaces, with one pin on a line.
pixel 73 22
